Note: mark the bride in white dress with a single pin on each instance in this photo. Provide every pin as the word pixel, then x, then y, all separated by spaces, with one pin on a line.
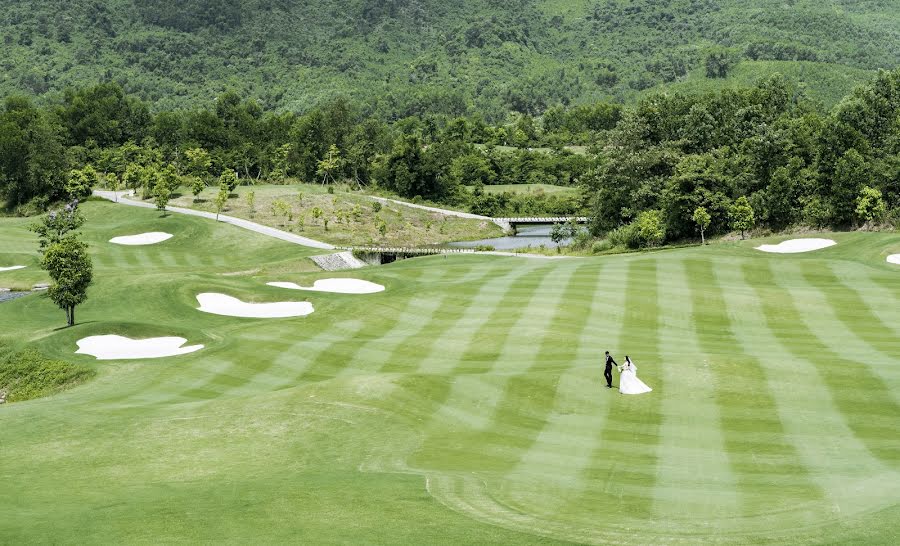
pixel 628 379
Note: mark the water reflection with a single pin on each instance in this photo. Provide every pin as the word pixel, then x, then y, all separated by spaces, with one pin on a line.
pixel 533 236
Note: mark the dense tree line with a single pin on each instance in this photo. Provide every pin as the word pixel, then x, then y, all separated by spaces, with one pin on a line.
pixel 765 144
pixel 762 156
pixel 101 134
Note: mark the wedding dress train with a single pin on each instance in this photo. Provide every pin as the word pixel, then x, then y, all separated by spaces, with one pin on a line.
pixel 629 382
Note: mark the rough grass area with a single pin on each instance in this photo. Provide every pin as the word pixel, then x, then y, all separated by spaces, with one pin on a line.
pixel 352 218
pixel 465 404
pixel 28 374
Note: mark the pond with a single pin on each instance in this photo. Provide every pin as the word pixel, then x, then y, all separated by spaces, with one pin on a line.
pixel 527 236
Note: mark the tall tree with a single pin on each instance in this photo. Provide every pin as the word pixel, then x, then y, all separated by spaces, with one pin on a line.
pixel 69 266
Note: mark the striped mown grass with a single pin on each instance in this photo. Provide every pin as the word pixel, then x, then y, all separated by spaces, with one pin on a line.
pixel 466 403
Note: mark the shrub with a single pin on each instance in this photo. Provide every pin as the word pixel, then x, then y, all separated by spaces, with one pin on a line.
pixel 484 248
pixel 650 227
pixel 376 206
pixel 626 236
pixel 601 246
pixel 647 231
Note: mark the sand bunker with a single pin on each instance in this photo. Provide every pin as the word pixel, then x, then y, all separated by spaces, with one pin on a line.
pixel 142 239
pixel 220 304
pixel 339 286
pixel 123 348
pixel 793 246
pixel 12 268
pixel 894 259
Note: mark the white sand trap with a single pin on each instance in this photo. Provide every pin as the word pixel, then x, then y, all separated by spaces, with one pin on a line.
pixel 894 259
pixel 13 268
pixel 220 304
pixel 793 246
pixel 122 348
pixel 339 286
pixel 142 239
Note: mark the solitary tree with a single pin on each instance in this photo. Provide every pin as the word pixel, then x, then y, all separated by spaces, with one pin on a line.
pixel 702 219
pixel 133 177
pixel 114 185
pixel 71 270
pixel 229 179
pixel 221 199
pixel 741 215
pixel 251 200
pixel 562 232
pixel 316 213
pixel 197 187
pixel 161 194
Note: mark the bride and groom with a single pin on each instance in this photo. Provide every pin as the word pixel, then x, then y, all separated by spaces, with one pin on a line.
pixel 628 379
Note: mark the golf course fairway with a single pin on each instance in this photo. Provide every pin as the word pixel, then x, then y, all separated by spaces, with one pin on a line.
pixel 466 402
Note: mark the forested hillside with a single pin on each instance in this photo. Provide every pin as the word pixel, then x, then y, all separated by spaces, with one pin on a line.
pixel 407 57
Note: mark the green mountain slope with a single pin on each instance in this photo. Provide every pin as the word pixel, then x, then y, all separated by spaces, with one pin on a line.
pixel 409 56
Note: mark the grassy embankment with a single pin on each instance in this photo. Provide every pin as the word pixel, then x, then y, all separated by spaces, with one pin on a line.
pixel 359 220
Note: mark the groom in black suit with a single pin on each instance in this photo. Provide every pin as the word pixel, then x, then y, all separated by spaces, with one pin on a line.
pixel 607 372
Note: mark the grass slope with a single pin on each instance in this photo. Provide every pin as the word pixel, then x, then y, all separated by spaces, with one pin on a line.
pixel 465 403
pixel 27 374
pixel 352 221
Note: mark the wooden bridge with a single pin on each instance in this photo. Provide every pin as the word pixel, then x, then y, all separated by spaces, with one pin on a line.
pixel 509 224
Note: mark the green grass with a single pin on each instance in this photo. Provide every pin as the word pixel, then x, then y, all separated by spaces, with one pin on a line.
pixel 465 404
pixel 406 226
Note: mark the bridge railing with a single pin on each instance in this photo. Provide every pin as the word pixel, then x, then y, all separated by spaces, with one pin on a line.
pixel 409 251
pixel 543 219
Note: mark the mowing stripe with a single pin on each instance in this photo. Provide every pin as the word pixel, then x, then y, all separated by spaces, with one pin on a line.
pixel 474 393
pixel 504 432
pixel 835 458
pixel 337 357
pixel 418 312
pixel 527 398
pixel 446 350
pixel 695 473
pixel 860 347
pixel 859 315
pixel 339 354
pixel 759 452
pixel 621 474
pixel 563 447
pixel 861 397
pixel 168 259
